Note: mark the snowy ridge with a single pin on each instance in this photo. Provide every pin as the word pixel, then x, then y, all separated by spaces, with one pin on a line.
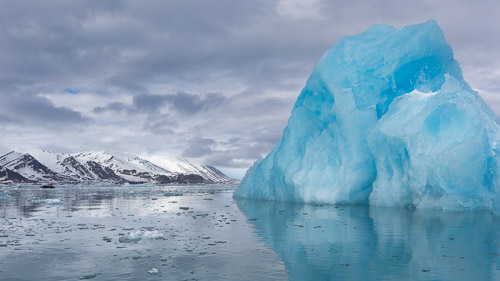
pixel 211 173
pixel 27 166
pixel 89 167
pixel 120 162
pixel 63 164
pixel 9 158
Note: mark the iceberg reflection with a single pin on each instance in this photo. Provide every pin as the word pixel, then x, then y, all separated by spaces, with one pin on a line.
pixel 327 242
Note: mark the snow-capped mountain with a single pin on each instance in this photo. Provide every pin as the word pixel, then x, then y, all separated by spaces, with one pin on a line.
pixel 30 168
pixel 88 167
pixel 78 170
pixel 9 176
pixel 131 168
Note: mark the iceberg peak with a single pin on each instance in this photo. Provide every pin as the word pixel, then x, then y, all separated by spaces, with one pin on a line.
pixel 386 119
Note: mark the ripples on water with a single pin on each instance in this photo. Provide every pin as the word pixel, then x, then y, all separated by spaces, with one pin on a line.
pixel 199 232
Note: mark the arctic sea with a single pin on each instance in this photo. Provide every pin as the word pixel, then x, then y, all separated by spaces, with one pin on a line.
pixel 199 232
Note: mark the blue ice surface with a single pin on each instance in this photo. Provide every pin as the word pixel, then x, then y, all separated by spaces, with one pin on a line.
pixel 385 119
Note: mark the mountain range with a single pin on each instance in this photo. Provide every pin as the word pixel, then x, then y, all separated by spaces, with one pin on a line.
pixel 101 167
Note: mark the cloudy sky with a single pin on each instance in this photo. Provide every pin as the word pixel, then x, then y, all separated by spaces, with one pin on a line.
pixel 211 81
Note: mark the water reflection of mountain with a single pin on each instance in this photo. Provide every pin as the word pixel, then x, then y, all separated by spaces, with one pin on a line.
pixel 321 242
pixel 25 202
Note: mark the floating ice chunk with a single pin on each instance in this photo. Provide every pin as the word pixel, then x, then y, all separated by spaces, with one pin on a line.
pixel 131 237
pixel 154 271
pixel 152 235
pixel 168 194
pixel 54 201
pixel 136 236
pixel 387 119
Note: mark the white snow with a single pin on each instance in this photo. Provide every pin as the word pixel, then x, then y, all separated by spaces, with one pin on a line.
pixel 8 158
pixel 126 166
pixel 51 160
pixel 120 162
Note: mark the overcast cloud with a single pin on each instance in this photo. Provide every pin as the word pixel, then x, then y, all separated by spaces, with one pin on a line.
pixel 212 81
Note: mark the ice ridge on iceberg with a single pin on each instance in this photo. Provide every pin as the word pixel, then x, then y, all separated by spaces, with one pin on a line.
pixel 385 119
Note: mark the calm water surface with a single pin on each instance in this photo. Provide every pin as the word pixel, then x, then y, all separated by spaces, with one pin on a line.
pixel 200 233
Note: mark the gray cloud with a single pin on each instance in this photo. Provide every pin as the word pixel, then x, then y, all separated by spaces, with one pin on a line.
pixel 148 102
pixel 199 146
pixel 152 75
pixel 113 107
pixel 6 120
pixel 233 153
pixel 180 102
pixel 162 124
pixel 190 104
pixel 184 103
pixel 39 111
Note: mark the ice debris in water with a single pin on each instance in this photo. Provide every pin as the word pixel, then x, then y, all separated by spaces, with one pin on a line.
pixel 47 201
pixel 135 236
pixel 54 201
pixel 154 271
pixel 167 194
pixel 4 196
pixel 385 118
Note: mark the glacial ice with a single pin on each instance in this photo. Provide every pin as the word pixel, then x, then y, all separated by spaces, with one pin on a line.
pixel 55 201
pixel 154 271
pixel 385 119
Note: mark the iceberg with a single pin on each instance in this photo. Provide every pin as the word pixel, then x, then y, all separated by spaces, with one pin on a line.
pixel 385 119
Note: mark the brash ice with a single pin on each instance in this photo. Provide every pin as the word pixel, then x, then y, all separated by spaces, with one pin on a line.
pixel 385 119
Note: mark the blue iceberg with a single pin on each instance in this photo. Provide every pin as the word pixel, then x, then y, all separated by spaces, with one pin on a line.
pixel 385 119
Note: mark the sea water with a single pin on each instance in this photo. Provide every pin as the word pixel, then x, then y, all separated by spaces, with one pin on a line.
pixel 199 232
